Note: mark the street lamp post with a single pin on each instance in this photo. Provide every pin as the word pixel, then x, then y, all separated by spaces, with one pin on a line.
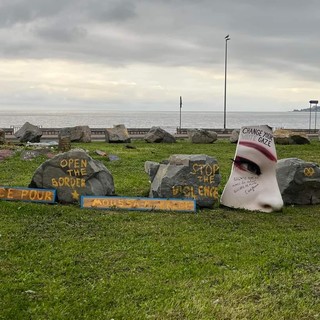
pixel 310 116
pixel 315 116
pixel 180 112
pixel 225 82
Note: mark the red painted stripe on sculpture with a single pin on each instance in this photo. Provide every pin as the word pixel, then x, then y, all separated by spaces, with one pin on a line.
pixel 260 148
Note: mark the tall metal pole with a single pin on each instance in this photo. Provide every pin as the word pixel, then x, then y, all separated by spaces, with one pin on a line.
pixel 315 116
pixel 180 112
pixel 315 119
pixel 310 118
pixel 225 82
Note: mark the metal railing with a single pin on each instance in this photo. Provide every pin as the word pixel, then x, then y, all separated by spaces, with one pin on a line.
pixel 94 131
pixel 17 128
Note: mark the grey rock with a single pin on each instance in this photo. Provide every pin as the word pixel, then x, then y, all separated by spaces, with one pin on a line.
pixel 72 174
pixel 32 154
pixel 2 136
pixel 113 157
pixel 117 134
pixel 300 138
pixel 101 153
pixel 157 135
pixel 151 168
pixel 29 133
pixel 46 144
pixel 202 136
pixel 185 177
pixel 284 137
pixel 76 134
pixel 234 137
pixel 299 181
pixel 129 146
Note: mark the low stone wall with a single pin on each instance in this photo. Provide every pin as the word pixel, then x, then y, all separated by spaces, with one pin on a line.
pixel 99 133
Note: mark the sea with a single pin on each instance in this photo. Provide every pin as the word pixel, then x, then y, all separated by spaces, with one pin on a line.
pixel 168 120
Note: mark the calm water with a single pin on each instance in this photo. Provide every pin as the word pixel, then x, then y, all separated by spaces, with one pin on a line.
pixel 167 120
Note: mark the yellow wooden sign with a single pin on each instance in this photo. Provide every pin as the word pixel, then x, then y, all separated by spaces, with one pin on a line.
pixel 128 203
pixel 28 194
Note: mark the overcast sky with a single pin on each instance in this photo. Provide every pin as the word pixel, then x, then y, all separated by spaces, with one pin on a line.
pixel 145 54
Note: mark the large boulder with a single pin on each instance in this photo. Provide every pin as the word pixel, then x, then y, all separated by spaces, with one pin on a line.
pixel 29 133
pixel 234 137
pixel 76 134
pixel 299 181
pixel 202 136
pixel 157 135
pixel 2 136
pixel 72 174
pixel 185 176
pixel 282 136
pixel 117 134
pixel 300 138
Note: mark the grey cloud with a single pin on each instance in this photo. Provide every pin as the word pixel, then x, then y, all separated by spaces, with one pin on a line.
pixel 265 35
pixel 61 33
pixel 17 49
pixel 106 11
pixel 21 11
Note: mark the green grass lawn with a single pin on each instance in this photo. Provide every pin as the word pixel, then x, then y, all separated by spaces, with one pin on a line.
pixel 63 262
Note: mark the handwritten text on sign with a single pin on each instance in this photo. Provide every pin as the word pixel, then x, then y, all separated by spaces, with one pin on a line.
pixel 205 176
pixel 137 203
pixel 76 171
pixel 27 194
